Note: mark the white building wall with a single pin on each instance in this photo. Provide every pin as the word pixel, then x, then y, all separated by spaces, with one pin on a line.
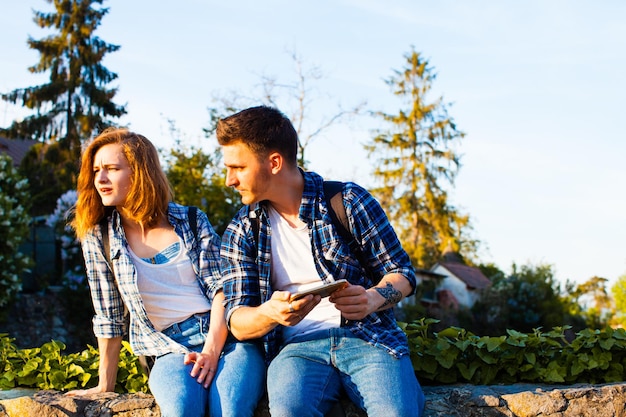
pixel 457 287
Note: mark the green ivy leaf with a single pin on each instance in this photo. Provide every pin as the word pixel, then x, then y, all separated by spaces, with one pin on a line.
pixel 467 372
pixel 530 357
pixel 487 358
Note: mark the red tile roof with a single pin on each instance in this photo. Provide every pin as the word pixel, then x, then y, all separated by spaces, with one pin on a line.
pixel 473 277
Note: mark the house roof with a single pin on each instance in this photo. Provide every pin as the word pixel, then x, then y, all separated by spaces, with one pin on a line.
pixel 425 273
pixel 472 277
pixel 16 148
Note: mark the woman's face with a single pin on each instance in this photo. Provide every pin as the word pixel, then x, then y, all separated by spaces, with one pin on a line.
pixel 112 175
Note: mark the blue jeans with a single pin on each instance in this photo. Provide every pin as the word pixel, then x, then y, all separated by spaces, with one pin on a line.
pixel 235 390
pixel 307 377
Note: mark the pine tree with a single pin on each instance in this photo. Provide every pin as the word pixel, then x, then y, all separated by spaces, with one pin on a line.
pixel 75 103
pixel 415 161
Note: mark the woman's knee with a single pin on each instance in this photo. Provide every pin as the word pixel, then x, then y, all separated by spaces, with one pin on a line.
pixel 240 381
pixel 174 390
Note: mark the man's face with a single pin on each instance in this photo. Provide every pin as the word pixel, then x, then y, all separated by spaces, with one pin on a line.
pixel 246 173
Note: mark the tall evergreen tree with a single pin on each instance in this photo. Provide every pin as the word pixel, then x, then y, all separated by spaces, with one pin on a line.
pixel 415 160
pixel 75 103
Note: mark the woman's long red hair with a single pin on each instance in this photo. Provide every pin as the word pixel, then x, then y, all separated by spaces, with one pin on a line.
pixel 150 191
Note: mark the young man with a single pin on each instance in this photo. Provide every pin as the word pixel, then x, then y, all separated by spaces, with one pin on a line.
pixel 283 241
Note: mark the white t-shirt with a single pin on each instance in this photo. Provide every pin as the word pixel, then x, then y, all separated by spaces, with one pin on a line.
pixel 293 269
pixel 170 291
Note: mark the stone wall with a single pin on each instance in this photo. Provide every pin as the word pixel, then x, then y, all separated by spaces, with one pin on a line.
pixel 518 400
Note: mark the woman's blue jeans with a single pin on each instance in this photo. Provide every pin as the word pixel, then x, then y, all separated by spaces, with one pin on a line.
pixel 235 390
pixel 308 376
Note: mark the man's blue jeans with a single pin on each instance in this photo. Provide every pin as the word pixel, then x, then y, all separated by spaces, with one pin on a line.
pixel 307 377
pixel 235 390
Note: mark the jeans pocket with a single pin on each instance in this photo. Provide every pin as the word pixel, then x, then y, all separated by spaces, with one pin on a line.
pixel 190 332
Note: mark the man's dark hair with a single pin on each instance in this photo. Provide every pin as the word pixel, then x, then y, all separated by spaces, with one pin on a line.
pixel 264 129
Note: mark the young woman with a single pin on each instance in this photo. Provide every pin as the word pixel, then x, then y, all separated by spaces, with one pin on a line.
pixel 163 270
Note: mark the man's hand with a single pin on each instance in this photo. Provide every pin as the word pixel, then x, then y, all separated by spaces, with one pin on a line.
pixel 355 302
pixel 254 322
pixel 290 313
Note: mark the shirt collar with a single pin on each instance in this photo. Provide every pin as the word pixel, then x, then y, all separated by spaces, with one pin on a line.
pixel 174 215
pixel 311 195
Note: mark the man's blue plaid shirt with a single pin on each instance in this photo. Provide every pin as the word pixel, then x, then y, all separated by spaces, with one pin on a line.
pixel 246 266
pixel 112 298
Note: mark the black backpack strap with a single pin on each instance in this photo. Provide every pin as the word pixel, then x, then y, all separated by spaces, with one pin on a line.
pixel 255 223
pixel 193 220
pixel 337 211
pixel 104 227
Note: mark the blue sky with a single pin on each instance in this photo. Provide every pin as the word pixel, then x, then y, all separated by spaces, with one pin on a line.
pixel 537 86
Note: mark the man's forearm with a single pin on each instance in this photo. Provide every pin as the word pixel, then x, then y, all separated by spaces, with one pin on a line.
pixel 250 323
pixel 392 289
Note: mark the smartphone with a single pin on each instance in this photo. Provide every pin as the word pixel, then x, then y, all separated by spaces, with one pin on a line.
pixel 324 290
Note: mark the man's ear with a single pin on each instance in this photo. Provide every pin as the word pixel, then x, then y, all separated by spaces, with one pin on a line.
pixel 276 162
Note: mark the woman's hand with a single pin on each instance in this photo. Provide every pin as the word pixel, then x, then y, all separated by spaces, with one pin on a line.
pixel 107 367
pixel 205 366
pixel 80 392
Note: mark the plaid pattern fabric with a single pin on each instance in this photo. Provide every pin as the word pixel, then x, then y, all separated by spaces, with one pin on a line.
pixel 113 296
pixel 246 266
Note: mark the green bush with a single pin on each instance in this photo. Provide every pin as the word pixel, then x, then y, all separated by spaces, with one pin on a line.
pixel 453 355
pixel 47 368
pixel 14 220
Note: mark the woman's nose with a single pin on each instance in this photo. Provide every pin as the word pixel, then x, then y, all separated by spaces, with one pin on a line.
pixel 101 176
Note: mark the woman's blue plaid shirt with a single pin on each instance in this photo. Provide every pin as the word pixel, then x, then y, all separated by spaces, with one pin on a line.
pixel 113 298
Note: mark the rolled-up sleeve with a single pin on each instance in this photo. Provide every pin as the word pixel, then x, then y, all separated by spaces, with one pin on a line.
pixel 377 235
pixel 240 272
pixel 109 319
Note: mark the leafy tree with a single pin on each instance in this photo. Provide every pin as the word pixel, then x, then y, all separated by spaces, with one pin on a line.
pixel 294 98
pixel 75 102
pixel 594 302
pixel 528 298
pixel 50 170
pixel 490 312
pixel 618 290
pixel 491 271
pixel 14 221
pixel 415 159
